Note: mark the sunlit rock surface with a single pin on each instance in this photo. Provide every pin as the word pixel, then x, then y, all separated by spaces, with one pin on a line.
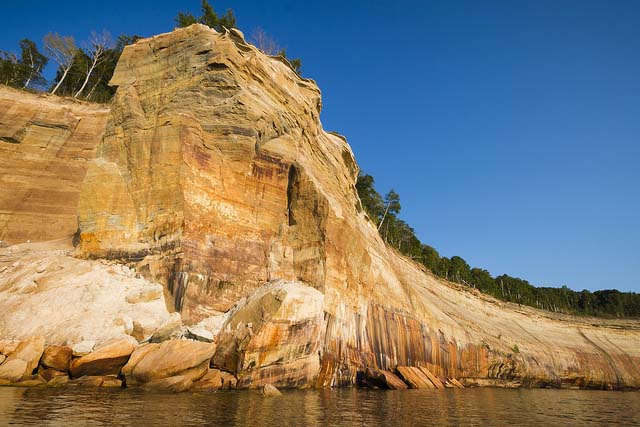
pixel 215 178
pixel 274 336
pixel 44 291
pixel 45 145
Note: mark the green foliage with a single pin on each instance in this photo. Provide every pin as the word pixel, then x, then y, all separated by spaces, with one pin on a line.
pixel 185 19
pixel 209 17
pixel 98 89
pixel 296 63
pixel 9 69
pixel 383 212
pixel 372 202
pixel 515 349
pixel 26 70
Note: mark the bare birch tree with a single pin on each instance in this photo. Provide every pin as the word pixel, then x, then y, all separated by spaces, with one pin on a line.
pixel 63 50
pixel 265 42
pixel 96 50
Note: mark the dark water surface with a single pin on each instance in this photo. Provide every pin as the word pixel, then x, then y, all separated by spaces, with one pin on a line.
pixel 348 407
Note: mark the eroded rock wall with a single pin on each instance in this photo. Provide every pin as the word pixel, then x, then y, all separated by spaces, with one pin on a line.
pixel 216 177
pixel 45 145
pixel 46 292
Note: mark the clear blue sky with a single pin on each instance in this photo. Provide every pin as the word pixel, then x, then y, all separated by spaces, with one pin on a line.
pixel 511 129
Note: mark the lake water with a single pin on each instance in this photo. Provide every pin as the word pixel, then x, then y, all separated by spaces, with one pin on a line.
pixel 345 407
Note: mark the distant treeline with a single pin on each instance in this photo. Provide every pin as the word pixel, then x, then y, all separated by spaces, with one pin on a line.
pixel 383 212
pixel 84 72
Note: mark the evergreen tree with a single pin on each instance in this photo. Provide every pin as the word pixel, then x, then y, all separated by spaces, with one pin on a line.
pixel 371 200
pixel 23 71
pixel 398 234
pixel 9 69
pixel 33 63
pixel 209 17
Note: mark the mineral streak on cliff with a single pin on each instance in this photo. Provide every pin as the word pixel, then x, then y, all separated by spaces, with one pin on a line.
pixel 216 178
pixel 45 145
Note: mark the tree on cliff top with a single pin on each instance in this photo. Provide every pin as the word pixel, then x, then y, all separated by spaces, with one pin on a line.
pixel 96 49
pixel 84 82
pixel 63 50
pixel 263 41
pixel 383 213
pixel 25 70
pixel 209 17
pixel 33 62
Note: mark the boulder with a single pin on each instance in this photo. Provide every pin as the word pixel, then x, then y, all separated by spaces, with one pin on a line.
pixel 172 358
pixel 380 378
pixel 23 360
pixel 434 380
pixel 199 334
pixel 171 328
pixel 48 373
pixel 58 381
pixel 274 336
pixel 107 381
pixel 13 370
pixel 175 384
pixel 70 299
pixel 270 390
pixel 8 346
pixel 107 359
pixel 83 348
pixel 29 350
pixel 213 324
pixel 455 383
pixel 138 354
pixel 2 358
pixel 414 377
pixel 111 382
pixel 57 357
pixel 214 380
pixel 31 382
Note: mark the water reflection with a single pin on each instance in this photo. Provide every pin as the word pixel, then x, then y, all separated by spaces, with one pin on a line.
pixel 348 407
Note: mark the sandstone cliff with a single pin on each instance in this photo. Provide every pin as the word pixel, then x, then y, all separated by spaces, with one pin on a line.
pixel 45 143
pixel 215 178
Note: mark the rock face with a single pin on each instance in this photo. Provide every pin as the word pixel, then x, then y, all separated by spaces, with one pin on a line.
pixel 274 336
pixel 44 291
pixel 45 145
pixel 215 178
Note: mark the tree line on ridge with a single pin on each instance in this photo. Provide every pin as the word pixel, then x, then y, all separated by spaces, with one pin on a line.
pixel 84 71
pixel 384 211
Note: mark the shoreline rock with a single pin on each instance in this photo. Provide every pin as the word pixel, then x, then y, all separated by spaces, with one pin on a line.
pixel 107 359
pixel 213 181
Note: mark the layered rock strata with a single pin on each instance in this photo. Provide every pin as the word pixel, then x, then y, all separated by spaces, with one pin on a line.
pixel 215 178
pixel 45 145
pixel 225 181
